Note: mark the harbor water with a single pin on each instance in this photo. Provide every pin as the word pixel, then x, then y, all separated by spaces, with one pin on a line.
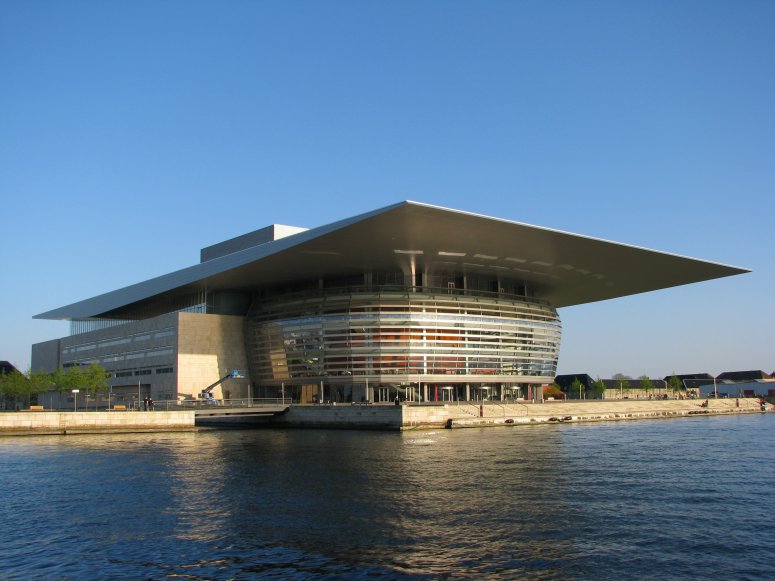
pixel 681 499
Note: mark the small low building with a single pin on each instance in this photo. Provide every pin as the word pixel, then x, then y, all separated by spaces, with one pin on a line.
pixel 633 389
pixel 754 383
pixel 753 375
pixel 614 388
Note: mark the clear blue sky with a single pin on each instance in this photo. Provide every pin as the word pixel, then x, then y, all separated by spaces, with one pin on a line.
pixel 134 133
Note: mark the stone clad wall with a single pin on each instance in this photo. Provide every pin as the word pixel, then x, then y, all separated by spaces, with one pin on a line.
pixel 425 416
pixel 209 347
pixel 379 417
pixel 82 422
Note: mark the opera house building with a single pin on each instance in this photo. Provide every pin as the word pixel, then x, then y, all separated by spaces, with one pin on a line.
pixel 412 301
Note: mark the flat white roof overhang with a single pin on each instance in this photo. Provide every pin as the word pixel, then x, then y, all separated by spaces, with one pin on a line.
pixel 562 268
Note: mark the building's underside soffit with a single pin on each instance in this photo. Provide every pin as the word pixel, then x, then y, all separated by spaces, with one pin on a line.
pixel 562 268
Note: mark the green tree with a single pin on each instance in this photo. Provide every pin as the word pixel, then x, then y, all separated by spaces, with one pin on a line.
pixel 5 387
pixel 624 383
pixel 646 385
pixel 95 379
pixel 73 378
pixel 674 384
pixel 58 383
pixel 598 388
pixel 40 382
pixel 15 386
pixel 70 379
pixel 576 387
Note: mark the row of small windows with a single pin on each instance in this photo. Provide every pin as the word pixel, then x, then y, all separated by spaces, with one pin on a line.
pixel 137 338
pixel 139 372
pixel 132 372
pixel 124 356
pixel 77 327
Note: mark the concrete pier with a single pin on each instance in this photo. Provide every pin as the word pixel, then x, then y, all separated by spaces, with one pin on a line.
pixel 595 410
pixel 380 417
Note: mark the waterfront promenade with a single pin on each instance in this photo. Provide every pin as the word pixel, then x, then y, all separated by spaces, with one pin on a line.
pixel 477 414
pixel 375 417
pixel 596 410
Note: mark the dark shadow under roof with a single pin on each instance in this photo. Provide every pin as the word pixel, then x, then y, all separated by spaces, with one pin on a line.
pixel 562 268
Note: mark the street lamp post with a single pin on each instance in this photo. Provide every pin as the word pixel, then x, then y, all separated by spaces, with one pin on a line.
pixel 75 399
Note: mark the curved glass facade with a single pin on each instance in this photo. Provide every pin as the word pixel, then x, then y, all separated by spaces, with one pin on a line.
pixel 337 336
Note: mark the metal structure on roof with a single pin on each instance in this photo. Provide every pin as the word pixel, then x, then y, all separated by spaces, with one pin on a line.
pixel 562 268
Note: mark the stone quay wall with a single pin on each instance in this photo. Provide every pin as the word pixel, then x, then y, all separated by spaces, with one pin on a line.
pixel 51 422
pixel 384 417
pixel 358 417
pixel 469 414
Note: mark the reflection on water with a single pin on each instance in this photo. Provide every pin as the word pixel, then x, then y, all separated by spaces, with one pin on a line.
pixel 681 499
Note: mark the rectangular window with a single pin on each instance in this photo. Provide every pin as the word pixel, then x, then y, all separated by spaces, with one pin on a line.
pixel 112 342
pixel 159 352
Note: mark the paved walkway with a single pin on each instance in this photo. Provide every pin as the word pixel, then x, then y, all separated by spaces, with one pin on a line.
pixel 470 414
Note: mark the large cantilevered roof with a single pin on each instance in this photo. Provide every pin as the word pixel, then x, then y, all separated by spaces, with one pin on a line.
pixel 562 268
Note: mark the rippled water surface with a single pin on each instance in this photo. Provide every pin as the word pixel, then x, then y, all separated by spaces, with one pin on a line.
pixel 681 499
